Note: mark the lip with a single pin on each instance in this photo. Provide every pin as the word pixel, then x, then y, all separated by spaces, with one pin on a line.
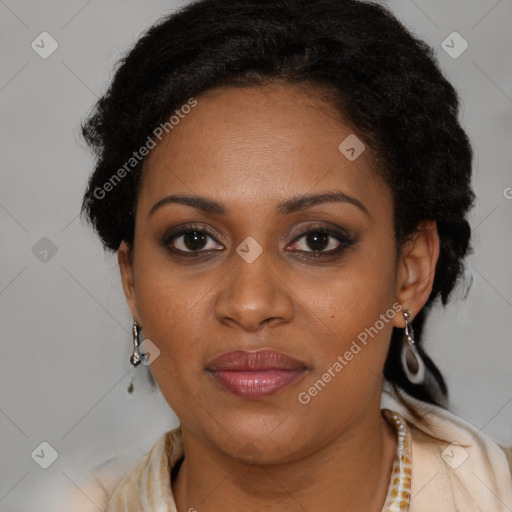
pixel 254 375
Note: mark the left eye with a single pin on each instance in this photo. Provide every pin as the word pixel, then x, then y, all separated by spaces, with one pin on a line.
pixel 320 240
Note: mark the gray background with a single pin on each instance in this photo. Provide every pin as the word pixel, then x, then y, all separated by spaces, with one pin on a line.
pixel 64 323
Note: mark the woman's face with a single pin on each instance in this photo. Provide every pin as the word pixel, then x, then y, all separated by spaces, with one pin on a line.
pixel 249 279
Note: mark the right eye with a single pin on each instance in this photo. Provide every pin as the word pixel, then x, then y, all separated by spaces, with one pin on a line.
pixel 191 240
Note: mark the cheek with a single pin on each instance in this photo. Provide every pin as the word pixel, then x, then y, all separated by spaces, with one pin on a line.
pixel 163 307
pixel 352 296
pixel 165 296
pixel 174 303
pixel 355 306
pixel 171 312
pixel 172 320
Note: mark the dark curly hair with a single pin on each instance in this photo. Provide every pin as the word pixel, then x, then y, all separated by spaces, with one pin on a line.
pixel 384 81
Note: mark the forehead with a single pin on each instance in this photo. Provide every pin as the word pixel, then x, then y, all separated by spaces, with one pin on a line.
pixel 253 147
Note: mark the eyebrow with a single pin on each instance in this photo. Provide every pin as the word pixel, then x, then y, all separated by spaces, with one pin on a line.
pixel 292 205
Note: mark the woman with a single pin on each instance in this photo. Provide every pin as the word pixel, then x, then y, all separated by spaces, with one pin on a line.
pixel 286 185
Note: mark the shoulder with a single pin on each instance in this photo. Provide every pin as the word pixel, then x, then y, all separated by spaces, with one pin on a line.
pixel 81 488
pixel 120 480
pixel 147 485
pixel 454 465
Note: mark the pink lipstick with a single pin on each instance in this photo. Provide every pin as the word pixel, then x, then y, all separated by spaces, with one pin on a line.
pixel 254 375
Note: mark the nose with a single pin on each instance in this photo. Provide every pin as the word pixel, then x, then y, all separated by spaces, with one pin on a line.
pixel 253 295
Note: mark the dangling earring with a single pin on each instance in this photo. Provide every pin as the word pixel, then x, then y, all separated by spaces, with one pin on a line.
pixel 135 357
pixel 412 363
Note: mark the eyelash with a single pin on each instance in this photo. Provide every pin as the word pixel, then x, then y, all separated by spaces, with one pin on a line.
pixel 340 235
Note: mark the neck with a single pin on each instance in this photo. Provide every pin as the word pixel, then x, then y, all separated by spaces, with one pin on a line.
pixel 350 472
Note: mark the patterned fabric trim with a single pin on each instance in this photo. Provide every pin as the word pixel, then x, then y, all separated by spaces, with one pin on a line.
pixel 399 492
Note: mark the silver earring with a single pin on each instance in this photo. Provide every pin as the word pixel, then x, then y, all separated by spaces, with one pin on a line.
pixel 135 357
pixel 412 362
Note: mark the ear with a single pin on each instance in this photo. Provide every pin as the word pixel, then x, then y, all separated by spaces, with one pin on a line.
pixel 416 269
pixel 124 257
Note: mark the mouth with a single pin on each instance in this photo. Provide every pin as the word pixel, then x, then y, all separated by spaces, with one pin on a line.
pixel 255 375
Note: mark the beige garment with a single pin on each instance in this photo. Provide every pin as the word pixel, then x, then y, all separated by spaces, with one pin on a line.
pixel 454 468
